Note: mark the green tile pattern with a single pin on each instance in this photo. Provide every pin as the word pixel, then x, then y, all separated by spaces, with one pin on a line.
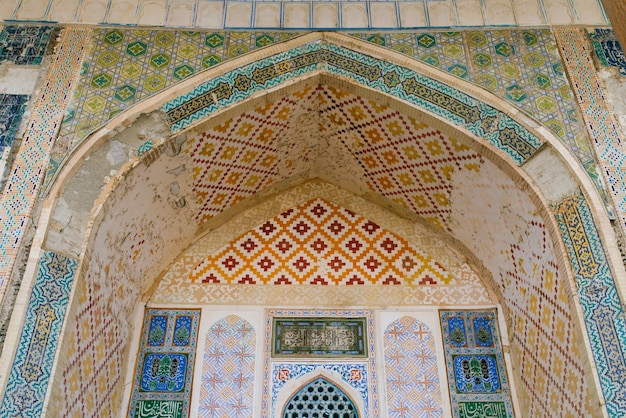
pixel 521 66
pixel 125 66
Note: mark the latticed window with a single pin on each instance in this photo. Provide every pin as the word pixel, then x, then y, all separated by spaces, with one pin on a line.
pixel 320 399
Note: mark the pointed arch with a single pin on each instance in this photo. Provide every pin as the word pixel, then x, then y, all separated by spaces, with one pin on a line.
pixel 510 141
pixel 320 396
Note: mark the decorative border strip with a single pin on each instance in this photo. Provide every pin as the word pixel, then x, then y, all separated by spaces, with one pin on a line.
pixel 268 376
pixel 447 102
pixel 602 308
pixel 30 373
pixel 20 192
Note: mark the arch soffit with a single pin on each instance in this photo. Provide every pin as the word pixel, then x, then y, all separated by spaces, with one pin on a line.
pixel 480 104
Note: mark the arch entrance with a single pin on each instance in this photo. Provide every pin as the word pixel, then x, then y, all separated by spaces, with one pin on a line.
pixel 451 163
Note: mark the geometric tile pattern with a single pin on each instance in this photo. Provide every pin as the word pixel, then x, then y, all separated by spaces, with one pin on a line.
pixel 227 386
pixel 319 243
pixel 23 182
pixel 395 155
pixel 521 66
pixel 579 63
pixel 475 363
pixel 608 49
pixel 24 45
pixel 446 102
pixel 12 107
pixel 411 370
pixel 30 373
pixel 361 376
pixel 598 295
pixel 124 67
pixel 165 364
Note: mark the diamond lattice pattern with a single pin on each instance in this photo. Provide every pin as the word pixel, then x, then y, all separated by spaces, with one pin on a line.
pixel 321 243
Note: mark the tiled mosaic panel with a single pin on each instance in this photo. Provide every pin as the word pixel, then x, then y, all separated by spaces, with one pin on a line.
pixel 362 376
pixel 411 373
pixel 578 61
pixel 24 45
pixel 520 66
pixel 319 243
pixel 475 363
pixel 30 164
pixel 608 49
pixel 30 372
pixel 314 337
pixel 397 156
pixel 454 106
pixel 598 295
pixel 227 386
pixel 12 107
pixel 353 374
pixel 124 66
pixel 165 363
pixel 175 286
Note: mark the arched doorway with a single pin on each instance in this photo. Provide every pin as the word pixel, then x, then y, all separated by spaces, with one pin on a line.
pixel 111 280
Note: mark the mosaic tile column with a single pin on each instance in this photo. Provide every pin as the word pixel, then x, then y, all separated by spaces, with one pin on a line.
pixel 30 373
pixel 577 52
pixel 227 386
pixel 162 384
pixel 476 373
pixel 18 197
pixel 602 308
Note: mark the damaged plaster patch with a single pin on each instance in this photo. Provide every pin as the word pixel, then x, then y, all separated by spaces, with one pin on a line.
pixel 551 175
pixel 615 93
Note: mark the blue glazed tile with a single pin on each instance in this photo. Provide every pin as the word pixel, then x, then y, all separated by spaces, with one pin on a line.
pixel 12 108
pixel 30 373
pixel 24 45
pixel 609 50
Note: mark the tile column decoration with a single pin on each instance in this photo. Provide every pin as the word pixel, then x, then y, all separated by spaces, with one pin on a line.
pixel 30 373
pixel 162 384
pixel 20 192
pixel 602 310
pixel 576 51
pixel 476 374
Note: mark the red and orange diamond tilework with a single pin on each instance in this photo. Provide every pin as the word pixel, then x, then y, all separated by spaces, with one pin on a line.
pixel 320 243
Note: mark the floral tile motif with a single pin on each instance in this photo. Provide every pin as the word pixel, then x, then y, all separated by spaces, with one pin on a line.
pixel 411 372
pixel 598 295
pixel 227 386
pixel 12 108
pixel 30 373
pixel 360 375
pixel 476 373
pixel 608 49
pixel 24 45
pixel 165 363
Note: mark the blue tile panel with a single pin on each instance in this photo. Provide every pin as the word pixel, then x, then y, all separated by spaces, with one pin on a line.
pixel 447 102
pixel 30 373
pixel 12 108
pixel 608 49
pixel 165 363
pixel 24 45
pixel 476 371
pixel 602 308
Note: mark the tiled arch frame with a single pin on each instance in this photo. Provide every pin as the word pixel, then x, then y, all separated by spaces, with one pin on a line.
pixel 500 132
